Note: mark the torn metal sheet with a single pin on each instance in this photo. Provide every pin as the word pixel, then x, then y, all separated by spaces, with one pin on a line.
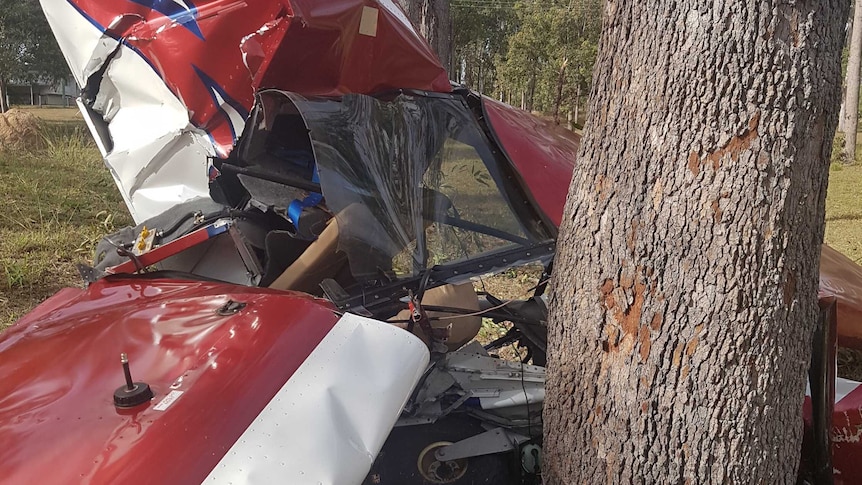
pixel 168 85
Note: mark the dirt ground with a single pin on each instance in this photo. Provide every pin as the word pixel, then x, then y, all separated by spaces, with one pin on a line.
pixel 20 129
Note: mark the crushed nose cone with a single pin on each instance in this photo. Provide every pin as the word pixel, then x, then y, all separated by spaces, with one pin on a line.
pixel 168 85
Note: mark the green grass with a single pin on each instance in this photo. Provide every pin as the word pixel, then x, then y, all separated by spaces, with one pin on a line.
pixel 54 114
pixel 57 202
pixel 844 211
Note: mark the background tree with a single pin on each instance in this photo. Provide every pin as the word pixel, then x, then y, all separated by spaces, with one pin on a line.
pixel 28 51
pixel 548 62
pixel 850 121
pixel 434 21
pixel 482 29
pixel 687 269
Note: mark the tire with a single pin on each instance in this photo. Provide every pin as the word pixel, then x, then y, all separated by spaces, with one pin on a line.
pixel 399 461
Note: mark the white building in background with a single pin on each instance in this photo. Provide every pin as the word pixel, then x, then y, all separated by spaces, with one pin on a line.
pixel 43 93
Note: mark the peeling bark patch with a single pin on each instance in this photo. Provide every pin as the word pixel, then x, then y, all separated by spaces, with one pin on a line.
pixel 691 346
pixel 794 28
pixel 716 211
pixel 633 235
pixel 789 287
pixel 677 354
pixel 694 163
pixel 645 341
pixel 657 194
pixel 655 324
pixel 625 303
pixel 737 144
pixel 601 187
pixel 733 148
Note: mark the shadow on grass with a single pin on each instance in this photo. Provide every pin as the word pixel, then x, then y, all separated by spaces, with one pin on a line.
pixel 853 216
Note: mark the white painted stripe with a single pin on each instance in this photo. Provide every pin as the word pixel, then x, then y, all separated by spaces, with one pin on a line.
pixel 843 387
pixel 396 11
pixel 237 122
pixel 329 421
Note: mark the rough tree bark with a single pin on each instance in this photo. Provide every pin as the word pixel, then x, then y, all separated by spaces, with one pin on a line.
pixel 686 277
pixel 434 21
pixel 850 121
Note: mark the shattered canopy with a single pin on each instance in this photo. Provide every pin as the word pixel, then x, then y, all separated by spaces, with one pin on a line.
pixel 411 181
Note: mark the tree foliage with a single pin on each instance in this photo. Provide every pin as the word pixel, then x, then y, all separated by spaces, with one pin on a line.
pixel 537 54
pixel 28 50
pixel 482 32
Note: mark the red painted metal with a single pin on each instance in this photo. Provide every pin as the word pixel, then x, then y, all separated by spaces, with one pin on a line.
pixel 330 55
pixel 172 248
pixel 847 439
pixel 58 423
pixel 841 278
pixel 227 48
pixel 543 153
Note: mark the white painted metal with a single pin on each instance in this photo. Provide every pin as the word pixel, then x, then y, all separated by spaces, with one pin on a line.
pixel 159 158
pixel 843 387
pixel 328 422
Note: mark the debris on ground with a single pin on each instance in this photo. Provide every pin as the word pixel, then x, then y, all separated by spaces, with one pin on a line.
pixel 849 364
pixel 20 129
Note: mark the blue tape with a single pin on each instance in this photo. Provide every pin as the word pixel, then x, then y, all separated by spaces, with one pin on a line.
pixel 294 210
pixel 212 230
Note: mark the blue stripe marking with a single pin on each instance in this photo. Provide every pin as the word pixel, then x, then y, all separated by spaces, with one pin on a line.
pixel 212 88
pixel 185 16
pixel 240 109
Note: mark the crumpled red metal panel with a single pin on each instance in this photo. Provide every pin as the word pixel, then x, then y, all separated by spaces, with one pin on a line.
pixel 334 48
pixel 841 278
pixel 214 54
pixel 62 366
pixel 543 154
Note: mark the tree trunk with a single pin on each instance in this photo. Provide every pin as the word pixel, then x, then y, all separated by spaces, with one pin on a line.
pixel 434 21
pixel 559 99
pixel 841 114
pixel 685 285
pixel 851 98
pixel 578 104
pixel 4 101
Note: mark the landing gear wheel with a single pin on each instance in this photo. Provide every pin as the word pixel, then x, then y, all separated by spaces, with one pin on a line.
pixel 408 458
pixel 436 471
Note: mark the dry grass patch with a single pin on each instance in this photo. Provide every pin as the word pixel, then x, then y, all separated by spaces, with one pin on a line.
pixel 20 130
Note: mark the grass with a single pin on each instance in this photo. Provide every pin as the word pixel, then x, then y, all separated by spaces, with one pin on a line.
pixel 55 114
pixel 844 211
pixel 57 202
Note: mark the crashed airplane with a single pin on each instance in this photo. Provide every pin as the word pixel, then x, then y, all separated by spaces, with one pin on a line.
pixel 313 199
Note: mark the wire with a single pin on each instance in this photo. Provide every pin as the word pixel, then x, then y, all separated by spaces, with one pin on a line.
pixel 507 302
pixel 526 396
